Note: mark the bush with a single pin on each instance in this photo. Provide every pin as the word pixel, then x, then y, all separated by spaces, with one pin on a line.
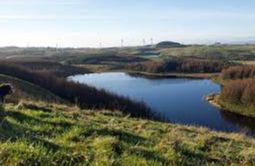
pixel 239 92
pixel 239 72
pixel 189 65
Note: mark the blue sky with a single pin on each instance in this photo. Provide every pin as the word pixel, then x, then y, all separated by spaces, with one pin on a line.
pixel 86 23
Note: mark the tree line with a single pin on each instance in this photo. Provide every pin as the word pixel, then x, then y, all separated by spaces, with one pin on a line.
pixel 82 95
pixel 189 65
pixel 239 72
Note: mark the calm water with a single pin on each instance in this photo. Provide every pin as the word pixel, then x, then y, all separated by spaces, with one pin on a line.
pixel 177 100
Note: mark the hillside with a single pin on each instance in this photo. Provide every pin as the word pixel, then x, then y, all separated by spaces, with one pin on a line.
pixel 26 90
pixel 36 134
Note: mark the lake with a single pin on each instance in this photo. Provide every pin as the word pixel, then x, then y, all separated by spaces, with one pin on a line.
pixel 176 100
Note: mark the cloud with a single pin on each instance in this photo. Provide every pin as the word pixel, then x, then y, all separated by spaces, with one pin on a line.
pixel 50 10
pixel 196 15
pixel 57 17
pixel 106 15
pixel 41 2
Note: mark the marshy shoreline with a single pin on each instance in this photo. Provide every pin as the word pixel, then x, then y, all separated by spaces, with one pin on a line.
pixel 213 99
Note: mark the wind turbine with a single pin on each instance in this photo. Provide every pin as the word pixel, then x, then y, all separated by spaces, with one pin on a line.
pixel 152 41
pixel 144 42
pixel 122 43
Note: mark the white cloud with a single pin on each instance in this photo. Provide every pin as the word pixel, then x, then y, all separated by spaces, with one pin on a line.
pixel 57 17
pixel 41 2
pixel 196 15
pixel 102 15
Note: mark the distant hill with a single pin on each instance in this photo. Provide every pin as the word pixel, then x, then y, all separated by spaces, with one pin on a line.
pixel 168 44
pixel 242 42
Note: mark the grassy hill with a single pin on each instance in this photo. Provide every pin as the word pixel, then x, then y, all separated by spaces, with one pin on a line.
pixel 26 90
pixel 44 134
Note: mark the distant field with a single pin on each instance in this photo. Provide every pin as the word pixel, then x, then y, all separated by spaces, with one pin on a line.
pixel 62 61
pixel 229 52
pixel 246 62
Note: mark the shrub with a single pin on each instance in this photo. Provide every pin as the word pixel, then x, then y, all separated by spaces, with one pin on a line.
pixel 189 65
pixel 239 72
pixel 239 92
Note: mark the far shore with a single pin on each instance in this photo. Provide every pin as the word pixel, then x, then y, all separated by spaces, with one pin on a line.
pixel 174 75
pixel 155 75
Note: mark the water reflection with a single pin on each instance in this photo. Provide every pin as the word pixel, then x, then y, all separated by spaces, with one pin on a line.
pixel 246 124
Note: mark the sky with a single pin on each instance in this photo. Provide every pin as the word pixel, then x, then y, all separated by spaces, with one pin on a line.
pixel 95 23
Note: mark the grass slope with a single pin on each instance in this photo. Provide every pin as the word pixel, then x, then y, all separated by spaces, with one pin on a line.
pixel 27 90
pixel 44 134
pixel 238 108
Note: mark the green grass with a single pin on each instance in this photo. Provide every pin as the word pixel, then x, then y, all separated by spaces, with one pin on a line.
pixel 239 109
pixel 26 90
pixel 45 134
